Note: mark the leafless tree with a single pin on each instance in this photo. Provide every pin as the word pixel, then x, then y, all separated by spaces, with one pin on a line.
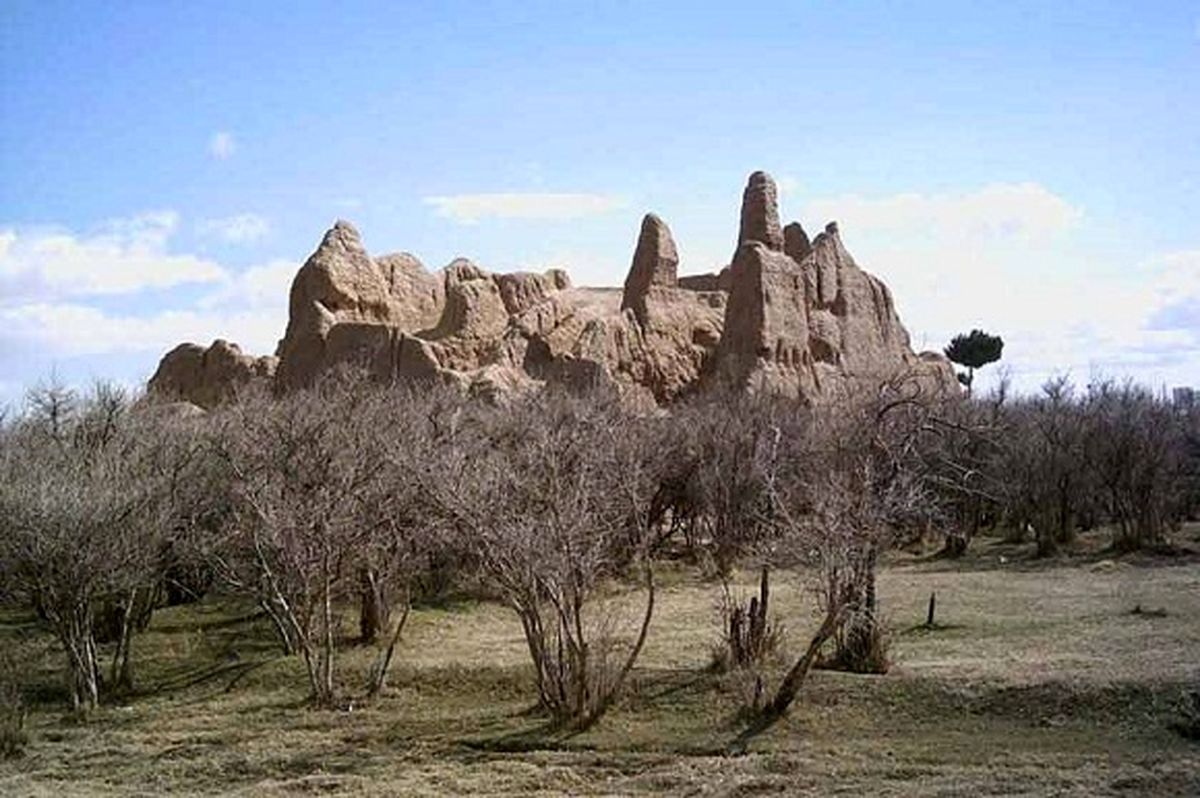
pixel 842 480
pixel 83 512
pixel 1116 452
pixel 551 494
pixel 1136 448
pixel 302 474
pixel 1042 460
pixel 1189 418
pixel 719 445
pixel 324 506
pixel 719 441
pixel 405 534
pixel 962 461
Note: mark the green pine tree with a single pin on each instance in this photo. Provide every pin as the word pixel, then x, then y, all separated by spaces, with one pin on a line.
pixel 974 350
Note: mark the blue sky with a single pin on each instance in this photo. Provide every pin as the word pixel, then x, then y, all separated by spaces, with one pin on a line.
pixel 1031 168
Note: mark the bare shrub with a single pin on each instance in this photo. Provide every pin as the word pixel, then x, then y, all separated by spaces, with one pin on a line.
pixel 299 471
pixel 1042 457
pixel 720 444
pixel 552 496
pixel 1190 492
pixel 1068 460
pixel 841 481
pixel 402 552
pixel 751 633
pixel 961 456
pixel 718 488
pixel 751 638
pixel 1136 449
pixel 861 645
pixel 322 490
pixel 84 508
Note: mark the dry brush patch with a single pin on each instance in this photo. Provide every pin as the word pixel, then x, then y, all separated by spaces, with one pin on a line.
pixel 569 651
pixel 1057 694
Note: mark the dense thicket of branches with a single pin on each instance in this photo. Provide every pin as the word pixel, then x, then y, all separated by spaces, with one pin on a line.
pixel 551 496
pixel 1062 460
pixel 350 498
pixel 90 494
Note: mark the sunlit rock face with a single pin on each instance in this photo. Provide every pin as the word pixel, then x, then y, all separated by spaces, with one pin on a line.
pixel 788 315
pixel 206 377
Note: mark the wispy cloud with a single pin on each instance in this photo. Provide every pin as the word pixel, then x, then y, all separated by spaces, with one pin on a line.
pixel 998 211
pixel 250 308
pixel 244 228
pixel 1005 257
pixel 265 286
pixel 787 185
pixel 222 145
pixel 94 295
pixel 1175 287
pixel 472 208
pixel 122 256
pixel 70 329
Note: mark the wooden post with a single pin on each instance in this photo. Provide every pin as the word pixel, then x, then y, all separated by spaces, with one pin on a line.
pixel 932 606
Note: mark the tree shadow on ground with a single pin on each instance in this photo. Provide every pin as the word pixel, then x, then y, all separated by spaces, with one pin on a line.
pixel 212 625
pixel 1090 550
pixel 650 692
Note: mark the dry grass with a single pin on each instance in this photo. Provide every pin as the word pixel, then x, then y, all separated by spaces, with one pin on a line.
pixel 1038 680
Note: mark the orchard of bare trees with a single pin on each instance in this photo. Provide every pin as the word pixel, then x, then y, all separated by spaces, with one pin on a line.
pixel 356 501
pixel 1066 459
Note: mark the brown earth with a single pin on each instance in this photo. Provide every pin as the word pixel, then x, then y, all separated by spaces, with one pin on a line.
pixel 789 315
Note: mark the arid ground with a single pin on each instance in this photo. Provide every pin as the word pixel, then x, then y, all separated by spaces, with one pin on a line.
pixel 1037 679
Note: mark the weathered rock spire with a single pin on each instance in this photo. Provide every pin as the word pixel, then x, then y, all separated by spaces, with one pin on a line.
pixel 760 213
pixel 655 262
pixel 789 314
pixel 795 242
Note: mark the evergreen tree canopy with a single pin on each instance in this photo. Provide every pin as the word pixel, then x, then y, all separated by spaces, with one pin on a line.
pixel 974 350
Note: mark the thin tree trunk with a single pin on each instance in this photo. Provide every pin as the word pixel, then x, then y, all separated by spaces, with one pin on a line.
pixel 380 676
pixel 373 612
pixel 790 686
pixel 536 645
pixel 122 674
pixel 76 635
pixel 313 666
pixel 615 689
pixel 281 629
pixel 325 697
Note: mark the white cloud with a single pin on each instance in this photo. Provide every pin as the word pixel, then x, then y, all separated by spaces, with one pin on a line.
pixel 249 307
pixel 1020 211
pixel 69 330
pixel 123 256
pixel 7 239
pixel 1003 257
pixel 222 145
pixel 244 228
pixel 787 185
pixel 265 286
pixel 471 208
pixel 66 297
pixel 1175 286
